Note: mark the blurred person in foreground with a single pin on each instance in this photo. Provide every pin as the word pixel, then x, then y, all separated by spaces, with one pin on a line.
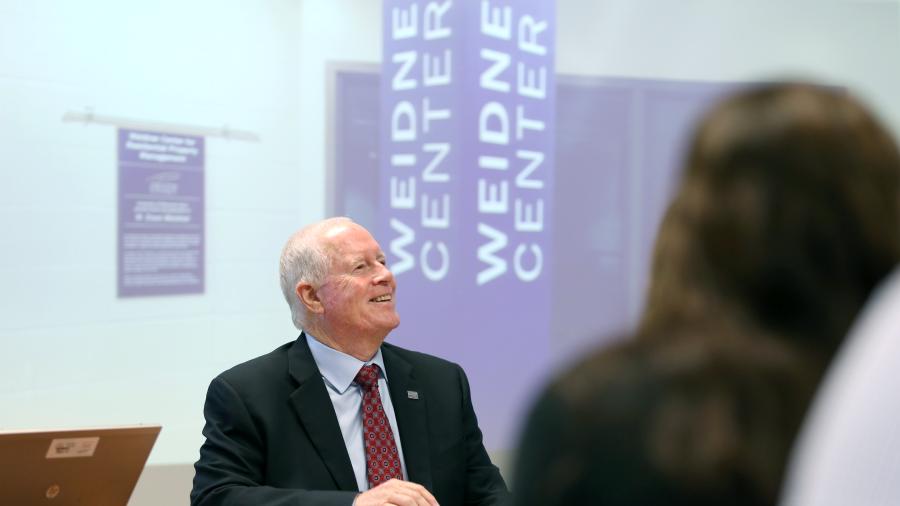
pixel 680 421
pixel 785 220
pixel 338 417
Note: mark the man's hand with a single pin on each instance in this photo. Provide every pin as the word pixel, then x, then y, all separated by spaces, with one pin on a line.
pixel 396 493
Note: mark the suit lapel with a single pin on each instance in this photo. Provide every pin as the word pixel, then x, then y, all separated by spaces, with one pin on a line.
pixel 316 413
pixel 409 407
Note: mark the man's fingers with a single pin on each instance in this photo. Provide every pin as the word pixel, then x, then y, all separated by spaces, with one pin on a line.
pixel 421 494
pixel 404 495
pixel 415 487
pixel 397 493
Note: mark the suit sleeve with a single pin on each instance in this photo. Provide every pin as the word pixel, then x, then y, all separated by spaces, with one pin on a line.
pixel 230 471
pixel 484 484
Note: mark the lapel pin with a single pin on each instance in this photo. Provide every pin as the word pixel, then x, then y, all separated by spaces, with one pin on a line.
pixel 412 395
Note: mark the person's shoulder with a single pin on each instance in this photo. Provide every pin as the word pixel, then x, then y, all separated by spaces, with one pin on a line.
pixel 418 358
pixel 271 363
pixel 433 374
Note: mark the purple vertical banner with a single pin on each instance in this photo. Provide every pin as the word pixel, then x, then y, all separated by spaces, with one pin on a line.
pixel 467 150
pixel 161 218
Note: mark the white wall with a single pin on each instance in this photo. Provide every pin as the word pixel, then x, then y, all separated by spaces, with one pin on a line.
pixel 854 43
pixel 346 31
pixel 74 354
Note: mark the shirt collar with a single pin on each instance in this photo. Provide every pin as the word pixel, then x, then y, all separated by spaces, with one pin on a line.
pixel 337 368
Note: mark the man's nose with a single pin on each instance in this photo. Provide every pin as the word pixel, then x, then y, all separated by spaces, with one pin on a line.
pixel 383 274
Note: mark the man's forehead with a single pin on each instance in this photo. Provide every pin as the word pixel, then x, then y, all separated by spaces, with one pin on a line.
pixel 350 238
pixel 336 229
pixel 342 232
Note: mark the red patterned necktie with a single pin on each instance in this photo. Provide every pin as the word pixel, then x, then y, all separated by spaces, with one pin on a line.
pixel 382 459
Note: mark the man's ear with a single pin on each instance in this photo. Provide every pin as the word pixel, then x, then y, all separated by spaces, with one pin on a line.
pixel 309 296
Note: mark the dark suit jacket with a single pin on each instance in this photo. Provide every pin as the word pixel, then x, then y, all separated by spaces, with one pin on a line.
pixel 273 439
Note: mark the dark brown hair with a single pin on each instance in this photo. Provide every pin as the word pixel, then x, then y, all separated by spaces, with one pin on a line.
pixel 786 218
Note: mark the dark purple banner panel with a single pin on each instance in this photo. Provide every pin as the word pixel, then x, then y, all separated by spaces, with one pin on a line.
pixel 466 192
pixel 161 218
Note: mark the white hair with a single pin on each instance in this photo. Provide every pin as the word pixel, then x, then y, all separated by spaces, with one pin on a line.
pixel 304 260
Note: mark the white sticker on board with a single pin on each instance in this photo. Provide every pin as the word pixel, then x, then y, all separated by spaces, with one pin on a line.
pixel 72 447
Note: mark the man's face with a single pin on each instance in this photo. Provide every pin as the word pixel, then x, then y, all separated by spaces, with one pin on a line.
pixel 358 292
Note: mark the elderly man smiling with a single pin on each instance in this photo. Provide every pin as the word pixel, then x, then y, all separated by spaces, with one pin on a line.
pixel 338 417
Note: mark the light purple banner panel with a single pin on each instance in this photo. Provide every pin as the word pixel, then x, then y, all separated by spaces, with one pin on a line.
pixel 161 218
pixel 467 150
pixel 621 143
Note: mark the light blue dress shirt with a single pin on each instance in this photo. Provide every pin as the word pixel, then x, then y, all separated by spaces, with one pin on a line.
pixel 338 370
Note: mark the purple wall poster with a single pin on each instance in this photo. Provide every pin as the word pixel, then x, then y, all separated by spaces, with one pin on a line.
pixel 467 150
pixel 161 218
